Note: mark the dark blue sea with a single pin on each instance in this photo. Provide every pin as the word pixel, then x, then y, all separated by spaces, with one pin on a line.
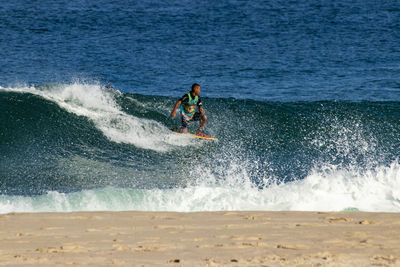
pixel 304 97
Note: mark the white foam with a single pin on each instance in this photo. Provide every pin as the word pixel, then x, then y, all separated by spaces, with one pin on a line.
pixel 98 104
pixel 323 190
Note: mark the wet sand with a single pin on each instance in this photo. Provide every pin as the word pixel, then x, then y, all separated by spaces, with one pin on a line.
pixel 200 239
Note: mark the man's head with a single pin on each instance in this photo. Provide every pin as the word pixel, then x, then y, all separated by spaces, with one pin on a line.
pixel 195 89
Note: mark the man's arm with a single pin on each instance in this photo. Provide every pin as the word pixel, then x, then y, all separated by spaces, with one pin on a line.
pixel 201 109
pixel 173 112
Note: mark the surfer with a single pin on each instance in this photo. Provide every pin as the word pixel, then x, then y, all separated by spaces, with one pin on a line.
pixel 188 103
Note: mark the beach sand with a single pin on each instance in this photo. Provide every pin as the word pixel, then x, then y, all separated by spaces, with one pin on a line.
pixel 200 239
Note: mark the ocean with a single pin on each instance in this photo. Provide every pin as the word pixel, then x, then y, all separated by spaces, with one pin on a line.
pixel 304 97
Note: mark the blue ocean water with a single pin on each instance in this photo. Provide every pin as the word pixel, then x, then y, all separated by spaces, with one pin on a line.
pixel 304 97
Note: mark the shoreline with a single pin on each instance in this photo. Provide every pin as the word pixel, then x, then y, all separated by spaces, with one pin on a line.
pixel 222 238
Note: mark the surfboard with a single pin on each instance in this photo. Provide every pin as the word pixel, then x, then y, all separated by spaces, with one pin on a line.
pixel 205 137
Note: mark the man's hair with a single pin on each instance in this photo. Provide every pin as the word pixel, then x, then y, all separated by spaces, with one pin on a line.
pixel 194 86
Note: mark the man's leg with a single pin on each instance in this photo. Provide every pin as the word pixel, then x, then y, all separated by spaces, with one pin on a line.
pixel 184 128
pixel 203 120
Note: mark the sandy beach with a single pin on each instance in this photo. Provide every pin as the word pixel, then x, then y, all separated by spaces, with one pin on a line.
pixel 200 239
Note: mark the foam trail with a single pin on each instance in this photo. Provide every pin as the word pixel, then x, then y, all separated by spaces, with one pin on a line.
pixel 97 104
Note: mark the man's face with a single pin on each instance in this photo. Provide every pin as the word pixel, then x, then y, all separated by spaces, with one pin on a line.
pixel 197 90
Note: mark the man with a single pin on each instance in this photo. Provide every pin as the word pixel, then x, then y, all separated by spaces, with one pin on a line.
pixel 188 104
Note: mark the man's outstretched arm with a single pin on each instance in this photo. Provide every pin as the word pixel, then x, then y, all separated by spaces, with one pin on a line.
pixel 173 112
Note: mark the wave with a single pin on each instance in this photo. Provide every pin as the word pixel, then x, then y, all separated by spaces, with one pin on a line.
pixel 83 146
pixel 98 105
pixel 377 190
